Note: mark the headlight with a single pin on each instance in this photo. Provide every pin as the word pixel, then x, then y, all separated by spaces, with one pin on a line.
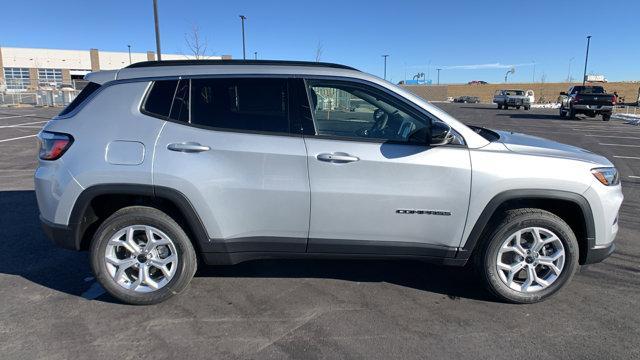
pixel 607 176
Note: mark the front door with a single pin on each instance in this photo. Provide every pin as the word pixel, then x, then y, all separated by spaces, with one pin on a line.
pixel 376 186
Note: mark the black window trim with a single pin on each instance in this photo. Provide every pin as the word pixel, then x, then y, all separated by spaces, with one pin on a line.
pixel 287 77
pixel 412 110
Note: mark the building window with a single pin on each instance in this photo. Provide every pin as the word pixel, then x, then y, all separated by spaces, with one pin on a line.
pixel 51 77
pixel 17 78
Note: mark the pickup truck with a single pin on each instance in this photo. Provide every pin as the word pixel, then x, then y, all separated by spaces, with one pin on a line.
pixel 511 98
pixel 588 100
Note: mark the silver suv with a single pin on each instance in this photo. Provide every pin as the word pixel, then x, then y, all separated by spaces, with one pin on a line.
pixel 160 165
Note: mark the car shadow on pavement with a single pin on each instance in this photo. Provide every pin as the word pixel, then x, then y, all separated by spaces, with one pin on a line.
pixel 534 116
pixel 26 252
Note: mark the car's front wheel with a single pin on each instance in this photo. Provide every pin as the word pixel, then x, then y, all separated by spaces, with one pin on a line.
pixel 530 255
pixel 140 255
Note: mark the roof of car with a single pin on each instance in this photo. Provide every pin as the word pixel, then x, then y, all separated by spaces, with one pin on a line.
pixel 146 64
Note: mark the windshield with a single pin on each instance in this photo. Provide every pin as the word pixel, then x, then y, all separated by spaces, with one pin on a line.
pixel 515 92
pixel 589 90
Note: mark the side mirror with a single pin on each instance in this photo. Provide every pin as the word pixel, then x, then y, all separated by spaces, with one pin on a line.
pixel 563 93
pixel 440 134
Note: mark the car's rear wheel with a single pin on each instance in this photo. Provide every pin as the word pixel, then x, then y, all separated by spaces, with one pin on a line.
pixel 530 255
pixel 499 106
pixel 572 113
pixel 518 107
pixel 606 117
pixel 140 255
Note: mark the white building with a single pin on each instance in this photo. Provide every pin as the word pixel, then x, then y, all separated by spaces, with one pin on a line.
pixel 27 69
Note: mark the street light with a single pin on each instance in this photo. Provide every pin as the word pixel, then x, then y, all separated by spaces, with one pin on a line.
pixel 586 59
pixel 438 76
pixel 155 19
pixel 243 18
pixel 255 55
pixel 129 46
pixel 533 78
pixel 385 66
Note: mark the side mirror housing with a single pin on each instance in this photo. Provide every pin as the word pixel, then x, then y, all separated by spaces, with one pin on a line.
pixel 440 134
pixel 563 93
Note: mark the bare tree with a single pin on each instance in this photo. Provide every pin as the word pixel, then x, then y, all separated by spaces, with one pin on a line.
pixel 319 49
pixel 196 44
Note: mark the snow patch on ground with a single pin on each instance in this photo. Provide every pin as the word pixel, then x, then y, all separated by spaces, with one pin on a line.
pixel 629 118
pixel 546 106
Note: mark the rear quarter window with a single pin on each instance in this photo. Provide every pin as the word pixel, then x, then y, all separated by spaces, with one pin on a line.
pixel 88 90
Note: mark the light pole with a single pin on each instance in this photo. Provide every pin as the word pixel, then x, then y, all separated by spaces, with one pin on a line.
pixel 155 19
pixel 569 74
pixel 385 66
pixel 586 59
pixel 533 78
pixel 255 55
pixel 438 76
pixel 129 46
pixel 243 18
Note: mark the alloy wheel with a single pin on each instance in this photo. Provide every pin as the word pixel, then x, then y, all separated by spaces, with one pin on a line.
pixel 141 258
pixel 530 259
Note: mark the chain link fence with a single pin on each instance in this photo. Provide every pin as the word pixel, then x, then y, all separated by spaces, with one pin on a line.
pixel 49 97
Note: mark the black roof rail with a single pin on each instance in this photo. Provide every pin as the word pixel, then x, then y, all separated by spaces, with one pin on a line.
pixel 190 62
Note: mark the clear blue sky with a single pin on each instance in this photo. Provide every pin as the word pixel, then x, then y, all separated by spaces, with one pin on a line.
pixel 468 39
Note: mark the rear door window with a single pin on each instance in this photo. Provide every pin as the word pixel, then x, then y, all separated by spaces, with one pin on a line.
pixel 180 107
pixel 160 98
pixel 243 104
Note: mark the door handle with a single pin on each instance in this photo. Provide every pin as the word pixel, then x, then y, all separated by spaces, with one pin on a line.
pixel 188 147
pixel 338 158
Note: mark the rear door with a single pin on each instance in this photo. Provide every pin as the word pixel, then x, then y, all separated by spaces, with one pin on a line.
pixel 376 186
pixel 228 147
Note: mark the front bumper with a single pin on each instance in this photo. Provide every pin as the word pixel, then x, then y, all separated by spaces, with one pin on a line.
pixel 60 235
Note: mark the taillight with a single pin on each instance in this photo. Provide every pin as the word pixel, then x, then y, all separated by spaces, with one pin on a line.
pixel 613 100
pixel 53 145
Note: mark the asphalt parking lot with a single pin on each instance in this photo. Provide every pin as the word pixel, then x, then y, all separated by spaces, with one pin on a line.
pixel 51 307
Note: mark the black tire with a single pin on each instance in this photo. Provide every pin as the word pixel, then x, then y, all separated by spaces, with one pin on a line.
pixel 510 222
pixel 518 107
pixel 606 117
pixel 572 113
pixel 499 106
pixel 563 113
pixel 141 215
pixel 505 106
pixel 527 107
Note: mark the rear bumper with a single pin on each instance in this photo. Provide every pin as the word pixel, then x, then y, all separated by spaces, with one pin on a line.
pixel 60 235
pixel 599 253
pixel 602 108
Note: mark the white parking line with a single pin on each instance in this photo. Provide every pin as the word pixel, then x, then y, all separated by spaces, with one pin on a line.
pixel 16 116
pixel 627 157
pixel 17 138
pixel 634 177
pixel 22 124
pixel 614 136
pixel 625 145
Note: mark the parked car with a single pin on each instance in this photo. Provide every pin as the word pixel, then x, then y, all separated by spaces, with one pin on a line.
pixel 511 98
pixel 160 165
pixel 477 82
pixel 588 100
pixel 467 99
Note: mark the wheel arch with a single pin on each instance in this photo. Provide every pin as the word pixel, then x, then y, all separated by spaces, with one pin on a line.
pixel 97 202
pixel 573 208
